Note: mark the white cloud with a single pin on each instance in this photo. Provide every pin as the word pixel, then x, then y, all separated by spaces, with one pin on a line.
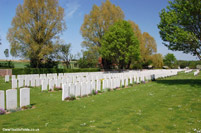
pixel 71 8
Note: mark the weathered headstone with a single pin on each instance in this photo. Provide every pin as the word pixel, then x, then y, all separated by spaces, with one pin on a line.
pixel 2 100
pixel 11 99
pixel 24 97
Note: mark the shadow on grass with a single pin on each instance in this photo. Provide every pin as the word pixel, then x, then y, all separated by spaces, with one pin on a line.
pixel 191 82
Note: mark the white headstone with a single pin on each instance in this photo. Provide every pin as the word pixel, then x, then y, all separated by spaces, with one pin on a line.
pixel 33 82
pixel 24 97
pixel 11 99
pixel 14 83
pixel 2 100
pixel 72 89
pixel 98 83
pixel 122 82
pixel 77 89
pixel 20 83
pixel 83 89
pixel 27 82
pixel 65 91
pixel 38 82
pixel 44 85
pixel 51 84
pixel 7 78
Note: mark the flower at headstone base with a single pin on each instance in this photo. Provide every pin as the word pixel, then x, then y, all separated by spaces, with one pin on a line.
pixel 2 111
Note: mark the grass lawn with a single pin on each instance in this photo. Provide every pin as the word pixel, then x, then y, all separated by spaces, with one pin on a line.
pixel 166 105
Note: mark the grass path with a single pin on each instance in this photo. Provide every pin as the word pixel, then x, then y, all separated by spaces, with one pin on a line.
pixel 166 105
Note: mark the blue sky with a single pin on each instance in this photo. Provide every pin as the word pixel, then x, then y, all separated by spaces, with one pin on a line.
pixel 143 12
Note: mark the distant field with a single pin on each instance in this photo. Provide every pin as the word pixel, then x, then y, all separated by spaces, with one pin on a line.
pixel 18 64
pixel 24 63
pixel 166 105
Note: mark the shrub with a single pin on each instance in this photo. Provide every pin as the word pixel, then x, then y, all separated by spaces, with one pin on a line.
pixel 94 92
pixel 130 84
pixel 18 71
pixel 26 107
pixel 71 98
pixel 57 88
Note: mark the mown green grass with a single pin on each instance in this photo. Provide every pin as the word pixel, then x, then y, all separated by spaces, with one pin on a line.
pixel 166 105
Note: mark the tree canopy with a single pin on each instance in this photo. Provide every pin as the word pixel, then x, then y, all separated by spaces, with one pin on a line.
pixel 120 45
pixel 180 26
pixel 170 60
pixel 148 45
pixel 35 27
pixel 97 22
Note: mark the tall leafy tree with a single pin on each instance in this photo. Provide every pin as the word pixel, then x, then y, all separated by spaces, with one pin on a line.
pixel 35 27
pixel 62 53
pixel 170 60
pixel 148 45
pixel 97 22
pixel 120 45
pixel 157 60
pixel 180 26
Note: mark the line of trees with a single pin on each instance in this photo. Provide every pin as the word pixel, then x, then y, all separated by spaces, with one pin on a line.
pixel 109 40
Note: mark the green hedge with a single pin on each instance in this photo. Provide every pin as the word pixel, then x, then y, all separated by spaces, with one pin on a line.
pixel 18 71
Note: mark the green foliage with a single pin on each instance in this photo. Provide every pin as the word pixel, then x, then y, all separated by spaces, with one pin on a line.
pixel 120 45
pixel 180 26
pixel 190 64
pixel 170 60
pixel 62 53
pixel 18 71
pixel 35 29
pixel 6 53
pixel 89 59
pixel 95 24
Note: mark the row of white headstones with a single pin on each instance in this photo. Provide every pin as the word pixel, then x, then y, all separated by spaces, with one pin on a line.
pixel 82 84
pixel 11 98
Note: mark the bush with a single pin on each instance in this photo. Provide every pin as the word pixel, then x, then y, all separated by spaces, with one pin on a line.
pixel 18 71
pixel 71 98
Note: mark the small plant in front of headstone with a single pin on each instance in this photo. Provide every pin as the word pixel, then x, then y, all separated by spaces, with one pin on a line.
pixel 57 88
pixel 123 86
pixel 130 84
pixel 108 89
pixel 94 92
pixel 2 111
pixel 99 91
pixel 71 98
pixel 26 107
